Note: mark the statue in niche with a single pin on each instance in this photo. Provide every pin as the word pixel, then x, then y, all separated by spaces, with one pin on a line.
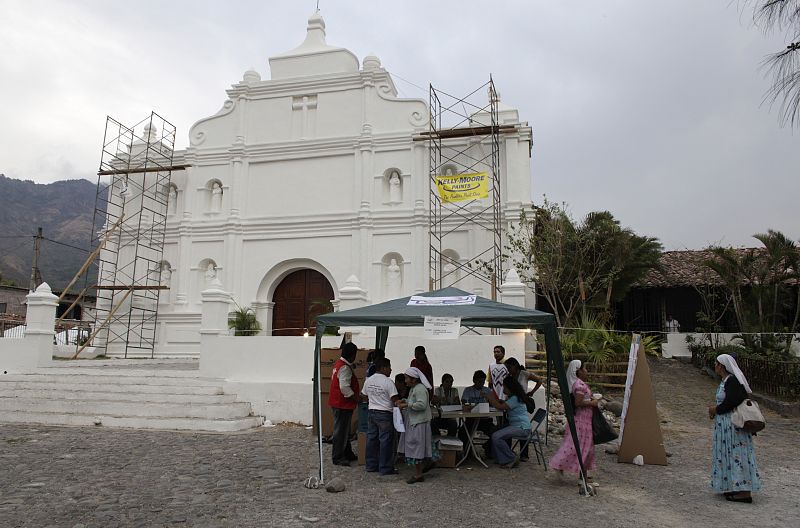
pixel 166 274
pixel 216 197
pixel 211 272
pixel 394 280
pixel 172 200
pixel 395 188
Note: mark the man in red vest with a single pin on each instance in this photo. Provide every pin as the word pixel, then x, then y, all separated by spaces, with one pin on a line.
pixel 343 399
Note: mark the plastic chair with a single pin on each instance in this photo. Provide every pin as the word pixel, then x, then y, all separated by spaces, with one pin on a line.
pixel 533 437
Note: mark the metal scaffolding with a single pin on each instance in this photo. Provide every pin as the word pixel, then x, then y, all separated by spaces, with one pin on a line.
pixel 131 204
pixel 464 138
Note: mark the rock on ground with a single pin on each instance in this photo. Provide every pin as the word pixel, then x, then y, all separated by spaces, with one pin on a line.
pixel 335 485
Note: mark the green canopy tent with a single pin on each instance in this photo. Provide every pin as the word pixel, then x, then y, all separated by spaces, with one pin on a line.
pixel 483 313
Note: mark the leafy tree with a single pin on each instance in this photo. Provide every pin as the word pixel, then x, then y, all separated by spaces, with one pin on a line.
pixel 585 265
pixel 784 66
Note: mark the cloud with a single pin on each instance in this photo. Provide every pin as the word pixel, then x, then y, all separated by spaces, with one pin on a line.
pixel 648 109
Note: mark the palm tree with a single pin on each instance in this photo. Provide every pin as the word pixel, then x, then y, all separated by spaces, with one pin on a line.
pixel 244 321
pixel 784 65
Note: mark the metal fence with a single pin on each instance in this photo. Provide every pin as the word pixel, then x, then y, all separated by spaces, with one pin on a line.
pixel 72 332
pixel 12 326
pixel 777 378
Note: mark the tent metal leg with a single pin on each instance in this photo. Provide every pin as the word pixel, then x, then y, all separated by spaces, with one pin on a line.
pixel 318 398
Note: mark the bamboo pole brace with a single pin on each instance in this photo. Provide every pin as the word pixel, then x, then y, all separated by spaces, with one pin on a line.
pixel 91 257
pixel 97 330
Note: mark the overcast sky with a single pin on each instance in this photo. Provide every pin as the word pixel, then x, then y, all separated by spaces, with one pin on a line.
pixel 651 110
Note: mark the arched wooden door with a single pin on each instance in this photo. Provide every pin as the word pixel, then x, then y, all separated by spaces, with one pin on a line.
pixel 299 299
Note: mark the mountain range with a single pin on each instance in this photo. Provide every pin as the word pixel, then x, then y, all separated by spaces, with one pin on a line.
pixel 63 209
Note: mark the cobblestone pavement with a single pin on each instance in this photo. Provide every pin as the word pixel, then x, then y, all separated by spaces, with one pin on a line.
pixel 71 477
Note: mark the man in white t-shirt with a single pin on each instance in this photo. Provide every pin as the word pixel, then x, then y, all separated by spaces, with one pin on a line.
pixel 672 324
pixel 382 395
pixel 497 372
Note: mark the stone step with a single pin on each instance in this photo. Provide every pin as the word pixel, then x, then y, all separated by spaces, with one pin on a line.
pixel 92 393
pixel 133 422
pixel 110 378
pixel 25 382
pixel 125 372
pixel 121 408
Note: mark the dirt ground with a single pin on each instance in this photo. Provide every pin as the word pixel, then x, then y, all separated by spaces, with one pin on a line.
pixel 82 477
pixel 677 495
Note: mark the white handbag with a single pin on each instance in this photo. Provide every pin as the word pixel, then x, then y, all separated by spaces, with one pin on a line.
pixel 747 416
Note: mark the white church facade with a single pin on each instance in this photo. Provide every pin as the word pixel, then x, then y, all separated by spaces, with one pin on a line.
pixel 309 187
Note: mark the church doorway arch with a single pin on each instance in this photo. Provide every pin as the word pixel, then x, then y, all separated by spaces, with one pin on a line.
pixel 298 299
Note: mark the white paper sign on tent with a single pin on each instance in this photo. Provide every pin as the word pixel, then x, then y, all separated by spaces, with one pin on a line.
pixel 441 327
pixel 419 300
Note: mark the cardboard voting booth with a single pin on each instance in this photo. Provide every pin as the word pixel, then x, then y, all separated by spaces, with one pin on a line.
pixel 640 430
pixel 329 357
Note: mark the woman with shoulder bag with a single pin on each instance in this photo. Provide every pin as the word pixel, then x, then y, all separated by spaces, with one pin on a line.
pixel 734 472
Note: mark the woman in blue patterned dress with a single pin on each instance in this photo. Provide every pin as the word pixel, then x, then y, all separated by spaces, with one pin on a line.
pixel 734 472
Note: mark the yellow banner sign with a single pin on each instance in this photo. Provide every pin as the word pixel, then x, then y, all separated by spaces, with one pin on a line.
pixel 463 187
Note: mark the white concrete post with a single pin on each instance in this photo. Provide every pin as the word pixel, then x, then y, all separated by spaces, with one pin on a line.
pixel 352 296
pixel 513 292
pixel 41 316
pixel 215 305
pixel 36 348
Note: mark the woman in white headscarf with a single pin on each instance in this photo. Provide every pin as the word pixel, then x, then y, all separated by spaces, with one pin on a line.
pixel 417 439
pixel 566 458
pixel 734 472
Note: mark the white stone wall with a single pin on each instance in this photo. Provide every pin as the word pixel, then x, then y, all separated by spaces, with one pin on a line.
pixel 675 345
pixel 275 374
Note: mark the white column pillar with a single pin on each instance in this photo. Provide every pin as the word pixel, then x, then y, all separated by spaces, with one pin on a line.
pixel 420 187
pixel 263 310
pixel 182 278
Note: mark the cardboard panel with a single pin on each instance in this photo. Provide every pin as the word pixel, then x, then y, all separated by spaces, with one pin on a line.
pixel 642 431
pixel 328 359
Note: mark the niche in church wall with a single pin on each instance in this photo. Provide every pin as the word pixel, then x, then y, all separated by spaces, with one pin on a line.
pixel 392 274
pixel 203 275
pixel 391 185
pixel 165 273
pixel 449 170
pixel 172 199
pixel 451 268
pixel 213 196
pixel 306 186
